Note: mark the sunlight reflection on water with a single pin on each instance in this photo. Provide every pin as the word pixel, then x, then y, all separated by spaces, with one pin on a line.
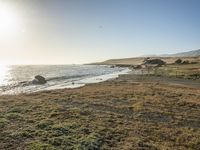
pixel 3 73
pixel 16 79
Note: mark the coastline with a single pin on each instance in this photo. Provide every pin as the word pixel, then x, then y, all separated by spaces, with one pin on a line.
pixel 129 112
pixel 78 78
pixel 91 80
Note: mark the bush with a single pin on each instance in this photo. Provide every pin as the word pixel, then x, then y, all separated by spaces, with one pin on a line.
pixel 58 130
pixel 45 124
pixel 16 110
pixel 154 62
pixel 14 116
pixel 178 61
pixel 185 62
pixel 57 141
pixel 91 142
pixel 194 76
pixel 193 62
pixel 3 122
pixel 37 145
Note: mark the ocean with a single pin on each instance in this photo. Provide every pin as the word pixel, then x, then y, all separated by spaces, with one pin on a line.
pixel 16 79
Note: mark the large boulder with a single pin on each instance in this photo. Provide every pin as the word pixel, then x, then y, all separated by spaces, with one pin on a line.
pixel 178 61
pixel 39 80
pixel 154 62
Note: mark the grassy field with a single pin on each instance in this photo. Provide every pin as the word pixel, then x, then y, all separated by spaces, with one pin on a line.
pixel 125 113
pixel 139 60
pixel 187 71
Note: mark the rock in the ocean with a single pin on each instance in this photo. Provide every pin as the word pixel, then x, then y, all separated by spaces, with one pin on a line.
pixel 39 80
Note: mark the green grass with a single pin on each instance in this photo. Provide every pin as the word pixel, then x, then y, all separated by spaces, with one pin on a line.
pixel 37 145
pixel 188 71
pixel 14 116
pixel 109 115
pixel 3 122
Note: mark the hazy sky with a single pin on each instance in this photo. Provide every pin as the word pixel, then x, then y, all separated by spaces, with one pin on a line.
pixel 82 31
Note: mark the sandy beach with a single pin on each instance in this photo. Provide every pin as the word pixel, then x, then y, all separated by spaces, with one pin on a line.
pixel 130 112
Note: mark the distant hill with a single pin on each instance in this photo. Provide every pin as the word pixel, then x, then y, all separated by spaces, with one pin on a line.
pixel 191 56
pixel 193 53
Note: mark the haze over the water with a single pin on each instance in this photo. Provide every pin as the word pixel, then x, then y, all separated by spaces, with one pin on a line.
pixel 82 31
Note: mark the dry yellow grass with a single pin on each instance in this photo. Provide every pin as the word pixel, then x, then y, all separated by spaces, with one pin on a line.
pixel 139 60
pixel 126 113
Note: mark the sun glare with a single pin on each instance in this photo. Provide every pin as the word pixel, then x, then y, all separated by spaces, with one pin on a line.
pixel 3 72
pixel 8 20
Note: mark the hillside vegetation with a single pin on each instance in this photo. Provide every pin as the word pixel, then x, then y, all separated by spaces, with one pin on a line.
pixel 139 60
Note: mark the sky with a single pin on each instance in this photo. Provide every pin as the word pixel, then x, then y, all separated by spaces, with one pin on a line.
pixel 84 31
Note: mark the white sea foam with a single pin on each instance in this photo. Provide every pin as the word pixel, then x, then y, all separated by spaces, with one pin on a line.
pixel 17 79
pixel 90 80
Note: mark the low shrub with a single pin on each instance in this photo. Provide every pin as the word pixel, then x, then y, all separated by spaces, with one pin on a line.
pixel 3 122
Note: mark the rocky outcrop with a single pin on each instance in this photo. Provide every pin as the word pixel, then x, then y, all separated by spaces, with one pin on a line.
pixel 154 62
pixel 178 61
pixel 39 80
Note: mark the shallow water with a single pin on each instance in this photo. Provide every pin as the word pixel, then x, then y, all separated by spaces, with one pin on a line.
pixel 18 79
